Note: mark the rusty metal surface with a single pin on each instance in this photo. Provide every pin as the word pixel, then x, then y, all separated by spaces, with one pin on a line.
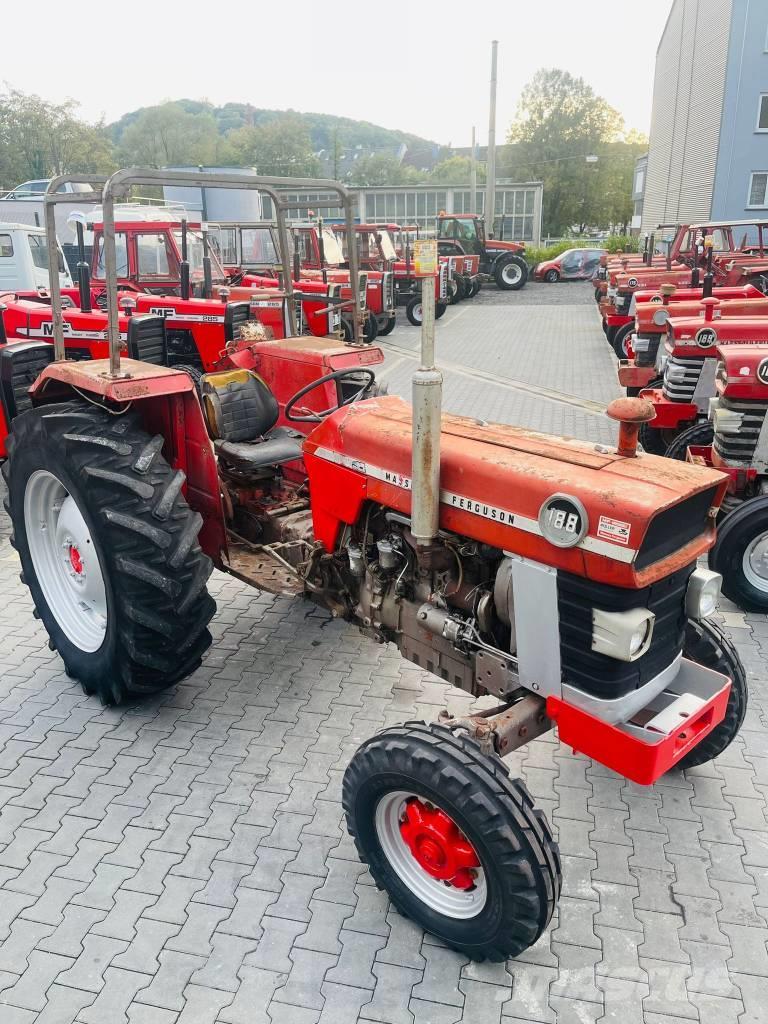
pixel 141 380
pixel 502 730
pixel 257 566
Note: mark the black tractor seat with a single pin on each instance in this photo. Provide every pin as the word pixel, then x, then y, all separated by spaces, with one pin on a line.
pixel 241 413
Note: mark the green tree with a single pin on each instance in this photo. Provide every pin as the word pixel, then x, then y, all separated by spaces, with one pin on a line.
pixel 456 170
pixel 168 135
pixel 39 139
pixel 383 169
pixel 281 147
pixel 560 122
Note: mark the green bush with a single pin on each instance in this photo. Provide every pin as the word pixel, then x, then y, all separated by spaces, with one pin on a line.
pixel 621 243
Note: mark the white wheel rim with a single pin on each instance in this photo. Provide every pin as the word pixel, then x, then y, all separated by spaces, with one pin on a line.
pixel 446 899
pixel 65 561
pixel 511 273
pixel 755 562
pixel 417 315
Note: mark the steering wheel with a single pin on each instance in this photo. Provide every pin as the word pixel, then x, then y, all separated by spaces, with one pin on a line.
pixel 310 416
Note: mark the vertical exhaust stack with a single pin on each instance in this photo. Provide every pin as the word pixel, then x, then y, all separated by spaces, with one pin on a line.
pixel 427 407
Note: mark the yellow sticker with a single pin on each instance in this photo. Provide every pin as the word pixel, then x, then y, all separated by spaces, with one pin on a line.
pixel 425 257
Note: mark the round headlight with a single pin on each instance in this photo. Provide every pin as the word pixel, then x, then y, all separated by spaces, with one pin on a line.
pixel 640 638
pixel 660 317
pixel 702 594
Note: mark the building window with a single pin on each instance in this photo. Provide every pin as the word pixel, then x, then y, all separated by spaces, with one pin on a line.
pixel 762 114
pixel 758 190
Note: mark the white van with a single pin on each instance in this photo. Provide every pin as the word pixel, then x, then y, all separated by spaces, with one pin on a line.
pixel 24 259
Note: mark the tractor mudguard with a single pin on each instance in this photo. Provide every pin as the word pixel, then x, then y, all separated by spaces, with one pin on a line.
pixel 169 406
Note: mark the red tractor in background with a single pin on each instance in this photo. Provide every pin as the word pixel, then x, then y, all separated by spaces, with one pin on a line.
pixel 557 578
pixel 652 312
pixel 739 448
pixel 688 362
pixel 464 234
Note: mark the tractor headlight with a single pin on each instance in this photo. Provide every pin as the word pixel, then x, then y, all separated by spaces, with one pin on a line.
pixel 660 317
pixel 702 594
pixel 726 421
pixel 625 636
pixel 640 344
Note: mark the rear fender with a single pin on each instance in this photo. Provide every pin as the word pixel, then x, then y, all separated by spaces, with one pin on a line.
pixel 168 405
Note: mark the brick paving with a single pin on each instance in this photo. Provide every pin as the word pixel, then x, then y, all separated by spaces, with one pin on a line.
pixel 183 861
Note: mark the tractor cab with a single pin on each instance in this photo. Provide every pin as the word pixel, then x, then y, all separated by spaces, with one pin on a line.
pixel 464 230
pixel 148 247
pixel 245 247
pixel 464 234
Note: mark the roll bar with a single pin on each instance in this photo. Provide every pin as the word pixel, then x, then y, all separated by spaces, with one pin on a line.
pixel 51 199
pixel 121 181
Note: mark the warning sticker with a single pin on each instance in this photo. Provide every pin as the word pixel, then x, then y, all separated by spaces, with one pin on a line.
pixel 613 529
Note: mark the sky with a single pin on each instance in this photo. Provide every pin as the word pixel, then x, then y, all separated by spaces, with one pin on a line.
pixel 423 66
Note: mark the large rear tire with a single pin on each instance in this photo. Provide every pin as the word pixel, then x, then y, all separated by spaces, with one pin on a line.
pixel 622 340
pixel 510 273
pixel 455 842
pixel 706 644
pixel 108 549
pixel 740 554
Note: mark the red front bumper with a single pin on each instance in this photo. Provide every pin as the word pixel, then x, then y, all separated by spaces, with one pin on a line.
pixel 669 415
pixel 632 376
pixel 637 749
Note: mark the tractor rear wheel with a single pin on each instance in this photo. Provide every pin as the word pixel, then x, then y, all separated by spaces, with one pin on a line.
pixel 706 644
pixel 657 441
pixel 740 554
pixel 510 273
pixel 455 842
pixel 699 434
pixel 108 549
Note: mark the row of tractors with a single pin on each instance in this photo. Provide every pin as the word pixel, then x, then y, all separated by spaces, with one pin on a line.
pixel 172 414
pixel 690 329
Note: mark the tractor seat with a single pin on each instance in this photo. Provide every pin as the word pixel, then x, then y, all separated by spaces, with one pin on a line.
pixel 241 413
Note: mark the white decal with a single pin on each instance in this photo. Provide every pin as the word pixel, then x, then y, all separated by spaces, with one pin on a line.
pixel 613 529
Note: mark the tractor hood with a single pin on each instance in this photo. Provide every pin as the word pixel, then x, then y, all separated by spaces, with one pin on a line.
pixel 696 331
pixel 497 245
pixel 741 307
pixel 636 515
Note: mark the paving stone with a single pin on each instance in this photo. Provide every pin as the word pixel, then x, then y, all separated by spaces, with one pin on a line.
pixel 87 972
pixel 224 962
pixel 576 977
pixel 111 1004
pixel 29 991
pixel 167 987
pixel 392 995
pixel 354 965
pixel 275 944
pixel 442 973
pixel 64 1005
pixel 68 938
pixel 309 970
pixel 143 952
pixel 324 928
pixel 667 994
pixel 254 995
pixel 203 1005
pixel 709 973
pixel 402 945
pixel 754 994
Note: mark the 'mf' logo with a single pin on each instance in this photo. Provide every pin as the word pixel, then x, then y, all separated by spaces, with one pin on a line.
pixel 165 311
pixel 48 328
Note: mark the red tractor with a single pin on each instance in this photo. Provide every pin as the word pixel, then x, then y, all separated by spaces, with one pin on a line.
pixel 464 234
pixel 559 579
pixel 688 362
pixel 739 447
pixel 652 313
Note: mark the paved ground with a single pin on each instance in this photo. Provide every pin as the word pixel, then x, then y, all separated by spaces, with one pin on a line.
pixel 182 861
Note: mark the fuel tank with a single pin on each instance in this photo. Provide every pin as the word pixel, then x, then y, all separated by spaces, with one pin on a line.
pixel 625 521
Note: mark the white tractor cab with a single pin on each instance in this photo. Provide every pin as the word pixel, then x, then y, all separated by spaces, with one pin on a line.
pixel 24 259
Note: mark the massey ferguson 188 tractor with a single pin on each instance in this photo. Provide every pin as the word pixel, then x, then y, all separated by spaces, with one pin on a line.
pixel 464 233
pixel 557 577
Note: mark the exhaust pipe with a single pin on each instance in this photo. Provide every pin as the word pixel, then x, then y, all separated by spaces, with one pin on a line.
pixel 427 393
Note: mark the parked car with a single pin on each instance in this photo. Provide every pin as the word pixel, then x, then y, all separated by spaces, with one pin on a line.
pixel 571 265
pixel 36 189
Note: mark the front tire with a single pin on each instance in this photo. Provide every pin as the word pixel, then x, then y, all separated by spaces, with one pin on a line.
pixel 706 644
pixel 622 339
pixel 386 326
pixel 108 549
pixel 700 434
pixel 552 276
pixel 511 274
pixel 455 842
pixel 740 554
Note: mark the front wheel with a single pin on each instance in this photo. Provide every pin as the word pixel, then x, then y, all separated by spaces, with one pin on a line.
pixel 700 434
pixel 552 276
pixel 414 311
pixel 740 554
pixel 386 326
pixel 511 274
pixel 622 340
pixel 707 645
pixel 455 842
pixel 108 549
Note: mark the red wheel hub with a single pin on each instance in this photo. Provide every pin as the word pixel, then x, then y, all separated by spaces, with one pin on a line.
pixel 438 845
pixel 75 560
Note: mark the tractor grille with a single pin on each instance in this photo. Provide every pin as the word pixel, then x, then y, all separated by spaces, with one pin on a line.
pixel 622 302
pixel 605 677
pixel 680 378
pixel 739 449
pixel 235 315
pixel 20 365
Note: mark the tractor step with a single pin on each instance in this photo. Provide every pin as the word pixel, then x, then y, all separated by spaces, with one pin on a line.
pixel 261 567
